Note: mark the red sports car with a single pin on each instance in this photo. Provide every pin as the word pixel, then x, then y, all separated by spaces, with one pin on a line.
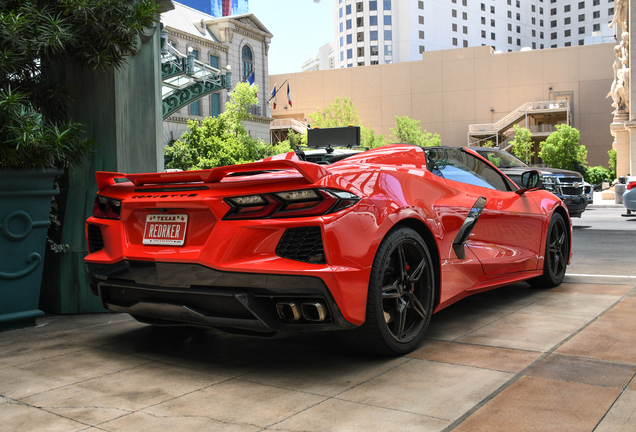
pixel 370 243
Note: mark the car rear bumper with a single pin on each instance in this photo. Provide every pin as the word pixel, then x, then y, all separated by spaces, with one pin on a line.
pixel 629 199
pixel 177 294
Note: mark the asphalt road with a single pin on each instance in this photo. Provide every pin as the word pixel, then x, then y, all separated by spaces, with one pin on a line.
pixel 603 243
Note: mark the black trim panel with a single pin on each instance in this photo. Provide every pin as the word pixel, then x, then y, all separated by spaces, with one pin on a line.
pixel 467 227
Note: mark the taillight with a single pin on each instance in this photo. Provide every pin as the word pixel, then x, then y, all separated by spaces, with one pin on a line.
pixel 631 185
pixel 298 203
pixel 106 208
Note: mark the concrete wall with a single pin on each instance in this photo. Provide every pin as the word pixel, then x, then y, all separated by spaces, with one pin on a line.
pixel 451 89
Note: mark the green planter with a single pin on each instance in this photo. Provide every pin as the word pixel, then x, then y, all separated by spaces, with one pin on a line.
pixel 25 202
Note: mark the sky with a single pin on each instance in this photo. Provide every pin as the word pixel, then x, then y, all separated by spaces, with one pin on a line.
pixel 300 28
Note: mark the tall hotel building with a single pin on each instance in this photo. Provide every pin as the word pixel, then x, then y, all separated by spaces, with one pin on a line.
pixel 370 32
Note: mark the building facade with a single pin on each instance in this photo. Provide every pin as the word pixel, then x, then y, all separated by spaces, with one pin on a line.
pixel 371 32
pixel 449 91
pixel 219 8
pixel 325 59
pixel 239 42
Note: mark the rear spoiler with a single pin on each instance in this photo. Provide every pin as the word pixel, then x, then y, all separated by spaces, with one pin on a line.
pixel 310 171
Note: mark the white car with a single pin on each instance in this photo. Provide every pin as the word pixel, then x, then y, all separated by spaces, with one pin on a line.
pixel 629 197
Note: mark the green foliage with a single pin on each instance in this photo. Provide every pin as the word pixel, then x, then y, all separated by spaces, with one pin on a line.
pixel 597 174
pixel 370 139
pixel 408 131
pixel 338 114
pixel 34 34
pixel 522 144
pixel 562 150
pixel 223 140
pixel 488 143
pixel 612 163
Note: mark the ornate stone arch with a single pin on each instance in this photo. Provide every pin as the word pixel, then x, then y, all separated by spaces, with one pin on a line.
pixel 247 60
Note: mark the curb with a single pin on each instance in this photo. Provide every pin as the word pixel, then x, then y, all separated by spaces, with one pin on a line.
pixel 593 206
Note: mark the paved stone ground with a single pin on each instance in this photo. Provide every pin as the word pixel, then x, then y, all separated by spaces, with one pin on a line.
pixel 516 358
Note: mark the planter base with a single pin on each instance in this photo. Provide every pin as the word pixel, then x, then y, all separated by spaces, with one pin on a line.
pixel 19 320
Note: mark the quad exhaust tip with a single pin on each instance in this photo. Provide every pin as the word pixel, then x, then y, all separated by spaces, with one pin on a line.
pixel 291 311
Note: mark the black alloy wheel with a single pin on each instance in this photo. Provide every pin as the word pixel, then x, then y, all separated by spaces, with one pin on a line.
pixel 401 295
pixel 557 253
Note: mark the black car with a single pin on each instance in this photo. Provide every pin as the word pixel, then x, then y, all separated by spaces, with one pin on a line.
pixel 567 185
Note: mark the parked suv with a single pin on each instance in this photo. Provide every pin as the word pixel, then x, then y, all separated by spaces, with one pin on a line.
pixel 567 185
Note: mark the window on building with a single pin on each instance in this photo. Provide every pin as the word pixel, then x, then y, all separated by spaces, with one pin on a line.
pixel 581 30
pixel 566 8
pixel 215 105
pixel 534 21
pixel 340 27
pixel 540 35
pixel 518 42
pixel 581 42
pixel 420 5
pixel 421 19
pixel 373 50
pixel 518 29
pixel 509 27
pixel 421 34
pixel 483 7
pixel 553 11
pixel 361 63
pixel 341 41
pixel 465 43
pixel 349 39
pixel 534 45
pixel 581 17
pixel 359 7
pixel 510 40
pixel 350 53
pixel 492 36
pixel 360 37
pixel 373 35
pixel 492 9
pixel 553 46
pixel 492 23
pixel 388 50
pixel 388 35
pixel 195 107
pixel 464 2
pixel 348 9
pixel 387 4
pixel 567 33
pixel 568 44
pixel 246 58
pixel 422 49
pixel 348 24
pixel 518 17
pixel 566 21
pixel 534 33
pixel 581 5
pixel 540 23
pixel 341 55
pixel 454 27
pixel 340 13
pixel 360 22
pixel 483 34
pixel 214 61
pixel 464 15
pixel 540 11
pixel 510 14
pixel 373 5
pixel 553 35
pixel 387 19
pixel 483 20
pixel 596 27
pixel 454 13
pixel 596 2
pixel 541 46
pixel 373 20
pixel 509 2
pixel 374 62
pixel 610 11
pixel 553 23
pixel 596 14
pixel 465 30
pixel 360 51
pixel 454 41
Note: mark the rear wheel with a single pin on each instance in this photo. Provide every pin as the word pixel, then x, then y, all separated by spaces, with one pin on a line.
pixel 557 252
pixel 401 295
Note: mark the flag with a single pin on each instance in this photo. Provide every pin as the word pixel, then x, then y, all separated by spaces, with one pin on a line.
pixel 274 95
pixel 250 78
pixel 288 95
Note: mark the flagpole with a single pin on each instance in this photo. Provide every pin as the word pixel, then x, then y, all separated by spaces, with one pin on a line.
pixel 281 86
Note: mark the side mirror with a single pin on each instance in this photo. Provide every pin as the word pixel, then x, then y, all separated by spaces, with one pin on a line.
pixel 530 180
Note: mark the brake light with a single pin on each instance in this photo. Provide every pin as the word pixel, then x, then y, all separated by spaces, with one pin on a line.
pixel 631 185
pixel 106 208
pixel 298 203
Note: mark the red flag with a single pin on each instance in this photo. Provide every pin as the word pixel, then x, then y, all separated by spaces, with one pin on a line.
pixel 288 95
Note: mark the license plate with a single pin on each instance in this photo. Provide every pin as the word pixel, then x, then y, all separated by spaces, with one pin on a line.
pixel 165 229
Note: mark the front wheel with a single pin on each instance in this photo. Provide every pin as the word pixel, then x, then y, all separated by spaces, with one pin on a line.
pixel 401 295
pixel 557 252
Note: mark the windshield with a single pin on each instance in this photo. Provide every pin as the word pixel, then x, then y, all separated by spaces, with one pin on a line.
pixel 501 159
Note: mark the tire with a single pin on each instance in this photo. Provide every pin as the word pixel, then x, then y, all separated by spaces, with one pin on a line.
pixel 557 252
pixel 401 296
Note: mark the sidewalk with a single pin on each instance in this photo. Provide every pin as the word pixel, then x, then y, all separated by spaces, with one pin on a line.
pixel 512 359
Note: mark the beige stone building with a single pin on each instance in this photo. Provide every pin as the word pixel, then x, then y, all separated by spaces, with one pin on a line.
pixel 450 90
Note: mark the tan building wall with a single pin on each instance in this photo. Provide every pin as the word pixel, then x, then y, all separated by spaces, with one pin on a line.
pixel 451 89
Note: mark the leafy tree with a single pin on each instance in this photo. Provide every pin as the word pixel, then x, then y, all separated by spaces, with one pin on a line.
pixel 338 114
pixel 34 36
pixel 370 139
pixel 223 140
pixel 488 143
pixel 597 174
pixel 562 150
pixel 612 163
pixel 408 131
pixel 522 144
